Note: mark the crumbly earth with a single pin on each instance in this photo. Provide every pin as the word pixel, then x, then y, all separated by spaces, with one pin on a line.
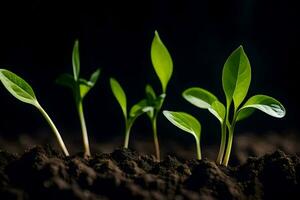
pixel 42 173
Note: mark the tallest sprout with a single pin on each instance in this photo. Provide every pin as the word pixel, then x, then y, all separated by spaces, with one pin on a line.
pixel 80 88
pixel 163 66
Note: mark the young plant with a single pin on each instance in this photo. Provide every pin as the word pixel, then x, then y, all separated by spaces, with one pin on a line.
pixel 21 90
pixel 135 111
pixel 187 123
pixel 163 66
pixel 236 80
pixel 80 87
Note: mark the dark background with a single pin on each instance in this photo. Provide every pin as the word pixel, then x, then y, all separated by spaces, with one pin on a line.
pixel 36 40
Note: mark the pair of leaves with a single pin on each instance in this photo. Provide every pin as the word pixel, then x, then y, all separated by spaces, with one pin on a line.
pixel 136 110
pixel 236 81
pixel 79 86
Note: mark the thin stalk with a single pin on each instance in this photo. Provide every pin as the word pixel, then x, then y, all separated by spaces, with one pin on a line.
pixel 199 157
pixel 223 143
pixel 54 129
pixel 156 143
pixel 85 138
pixel 229 141
pixel 127 133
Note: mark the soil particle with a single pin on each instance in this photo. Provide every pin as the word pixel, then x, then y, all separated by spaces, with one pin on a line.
pixel 42 173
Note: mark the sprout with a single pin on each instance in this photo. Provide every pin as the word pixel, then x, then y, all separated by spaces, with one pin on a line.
pixel 21 90
pixel 187 123
pixel 163 66
pixel 236 80
pixel 135 111
pixel 80 87
pixel 152 104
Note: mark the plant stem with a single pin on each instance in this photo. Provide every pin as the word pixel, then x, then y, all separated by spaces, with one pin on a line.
pixel 54 129
pixel 199 157
pixel 223 143
pixel 228 148
pixel 156 143
pixel 85 138
pixel 229 141
pixel 127 133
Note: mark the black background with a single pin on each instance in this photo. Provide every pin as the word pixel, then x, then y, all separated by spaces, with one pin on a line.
pixel 36 40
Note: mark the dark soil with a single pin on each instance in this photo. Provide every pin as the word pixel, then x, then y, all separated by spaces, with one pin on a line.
pixel 42 173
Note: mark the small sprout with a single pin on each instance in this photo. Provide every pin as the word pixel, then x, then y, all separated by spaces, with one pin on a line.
pixel 163 66
pixel 206 100
pixel 188 123
pixel 136 110
pixel 21 90
pixel 80 87
pixel 236 80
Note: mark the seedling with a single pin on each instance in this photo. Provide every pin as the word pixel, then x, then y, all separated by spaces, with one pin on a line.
pixel 187 123
pixel 80 87
pixel 135 111
pixel 163 66
pixel 21 90
pixel 236 80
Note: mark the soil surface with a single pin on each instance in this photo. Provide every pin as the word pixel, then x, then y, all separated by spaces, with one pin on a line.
pixel 42 173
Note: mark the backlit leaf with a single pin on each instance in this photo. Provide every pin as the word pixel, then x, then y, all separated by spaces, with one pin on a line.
pixel 119 94
pixel 236 77
pixel 18 87
pixel 264 103
pixel 185 122
pixel 161 61
pixel 218 110
pixel 199 97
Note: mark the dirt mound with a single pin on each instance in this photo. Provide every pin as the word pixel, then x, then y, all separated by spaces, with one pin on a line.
pixel 42 173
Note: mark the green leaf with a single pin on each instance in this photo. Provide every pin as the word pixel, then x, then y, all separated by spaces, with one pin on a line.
pixel 206 100
pixel 76 60
pixel 218 110
pixel 18 87
pixel 245 113
pixel 66 80
pixel 119 94
pixel 140 108
pixel 161 61
pixel 199 97
pixel 264 103
pixel 84 88
pixel 150 93
pixel 95 76
pixel 236 77
pixel 185 122
pixel 159 101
